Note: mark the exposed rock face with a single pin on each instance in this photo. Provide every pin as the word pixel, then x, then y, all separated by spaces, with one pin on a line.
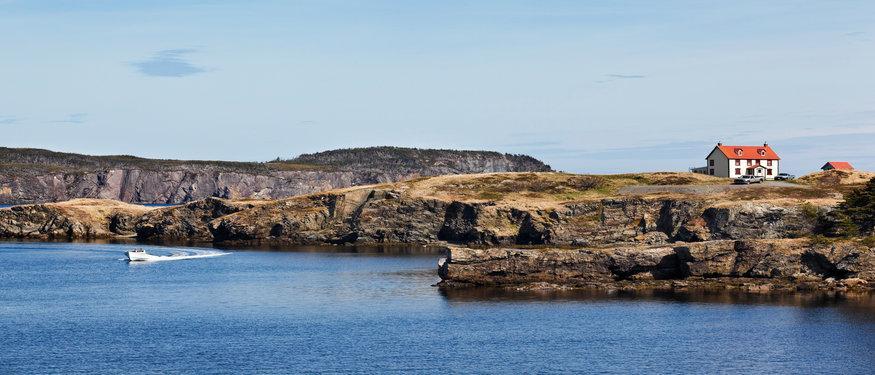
pixel 357 216
pixel 753 220
pixel 394 214
pixel 187 222
pixel 173 186
pixel 386 215
pixel 81 218
pixel 784 262
pixel 36 176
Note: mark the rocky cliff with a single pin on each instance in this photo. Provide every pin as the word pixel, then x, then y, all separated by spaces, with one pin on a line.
pixel 755 265
pixel 542 209
pixel 36 176
pixel 75 219
pixel 550 209
pixel 379 215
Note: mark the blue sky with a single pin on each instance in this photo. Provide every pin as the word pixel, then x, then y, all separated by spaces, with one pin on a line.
pixel 587 86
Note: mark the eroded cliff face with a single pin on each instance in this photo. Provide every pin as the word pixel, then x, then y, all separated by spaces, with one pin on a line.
pixel 393 214
pixel 754 264
pixel 178 186
pixel 38 176
pixel 79 218
pixel 370 216
pixel 188 222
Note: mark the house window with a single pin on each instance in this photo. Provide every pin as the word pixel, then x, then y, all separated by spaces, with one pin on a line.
pixel 769 171
pixel 737 170
pixel 711 171
pixel 737 162
pixel 750 171
pixel 750 162
pixel 761 152
pixel 769 163
pixel 711 162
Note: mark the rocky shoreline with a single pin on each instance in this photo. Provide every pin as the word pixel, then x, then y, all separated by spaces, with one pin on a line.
pixel 777 265
pixel 526 230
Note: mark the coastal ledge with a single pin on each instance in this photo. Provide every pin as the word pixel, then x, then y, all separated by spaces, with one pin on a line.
pixel 749 265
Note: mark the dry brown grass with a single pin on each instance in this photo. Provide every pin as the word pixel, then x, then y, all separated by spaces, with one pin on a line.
pixel 541 189
pixel 767 192
pixel 550 189
pixel 836 178
pixel 97 210
pixel 677 178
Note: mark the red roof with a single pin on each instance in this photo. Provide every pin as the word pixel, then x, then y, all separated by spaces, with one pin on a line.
pixel 838 165
pixel 763 152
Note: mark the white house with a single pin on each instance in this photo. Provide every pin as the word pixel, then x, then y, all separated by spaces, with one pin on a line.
pixel 734 161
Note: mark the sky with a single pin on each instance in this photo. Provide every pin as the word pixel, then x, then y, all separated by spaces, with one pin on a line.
pixel 586 86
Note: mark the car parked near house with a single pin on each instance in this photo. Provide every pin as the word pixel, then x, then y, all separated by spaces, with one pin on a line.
pixel 747 179
pixel 784 177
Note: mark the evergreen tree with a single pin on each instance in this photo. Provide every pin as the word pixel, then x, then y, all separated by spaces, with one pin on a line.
pixel 858 208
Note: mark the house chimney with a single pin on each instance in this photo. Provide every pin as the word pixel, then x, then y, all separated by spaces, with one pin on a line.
pixel 765 144
pixel 720 143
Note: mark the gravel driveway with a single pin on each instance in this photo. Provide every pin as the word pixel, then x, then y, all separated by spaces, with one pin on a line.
pixel 698 189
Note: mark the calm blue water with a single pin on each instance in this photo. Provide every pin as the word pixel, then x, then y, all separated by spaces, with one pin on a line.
pixel 68 308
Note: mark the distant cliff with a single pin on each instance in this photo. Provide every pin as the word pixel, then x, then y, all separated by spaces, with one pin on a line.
pixel 35 176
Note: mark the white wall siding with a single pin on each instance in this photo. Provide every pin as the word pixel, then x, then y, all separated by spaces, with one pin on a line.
pixel 743 168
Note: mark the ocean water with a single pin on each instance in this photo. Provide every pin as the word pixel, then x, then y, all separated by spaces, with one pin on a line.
pixel 79 308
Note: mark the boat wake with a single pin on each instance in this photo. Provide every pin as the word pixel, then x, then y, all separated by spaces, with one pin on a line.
pixel 157 255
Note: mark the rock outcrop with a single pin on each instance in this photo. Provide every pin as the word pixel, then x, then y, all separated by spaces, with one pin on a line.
pixel 375 215
pixel 480 210
pixel 79 218
pixel 756 264
pixel 188 222
pixel 37 176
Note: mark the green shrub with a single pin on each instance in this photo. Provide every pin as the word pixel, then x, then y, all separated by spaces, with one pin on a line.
pixel 810 211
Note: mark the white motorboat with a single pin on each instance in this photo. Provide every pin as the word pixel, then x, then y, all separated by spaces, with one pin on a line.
pixel 139 255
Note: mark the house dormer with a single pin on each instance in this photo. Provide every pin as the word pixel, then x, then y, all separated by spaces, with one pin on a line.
pixel 739 152
pixel 761 152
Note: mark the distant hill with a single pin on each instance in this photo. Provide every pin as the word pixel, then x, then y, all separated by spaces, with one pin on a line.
pixel 34 175
pixel 415 160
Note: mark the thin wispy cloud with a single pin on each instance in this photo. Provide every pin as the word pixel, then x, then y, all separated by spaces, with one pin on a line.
pixel 617 77
pixel 625 76
pixel 8 120
pixel 532 144
pixel 73 118
pixel 858 35
pixel 169 63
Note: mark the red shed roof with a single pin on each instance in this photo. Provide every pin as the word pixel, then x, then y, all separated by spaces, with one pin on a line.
pixel 763 152
pixel 838 165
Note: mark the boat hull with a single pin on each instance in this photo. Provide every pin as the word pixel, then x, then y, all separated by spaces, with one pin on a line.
pixel 139 256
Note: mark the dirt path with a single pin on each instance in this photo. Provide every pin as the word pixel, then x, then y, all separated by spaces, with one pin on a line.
pixel 699 189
